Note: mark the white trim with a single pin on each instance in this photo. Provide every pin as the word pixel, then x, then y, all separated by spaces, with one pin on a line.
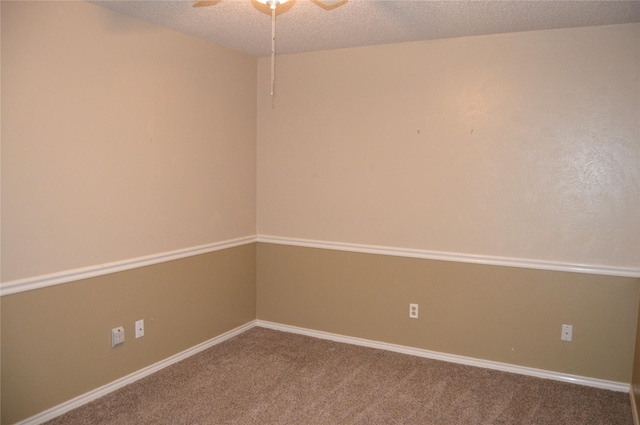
pixel 38 282
pixel 83 399
pixel 451 358
pixel 131 378
pixel 457 257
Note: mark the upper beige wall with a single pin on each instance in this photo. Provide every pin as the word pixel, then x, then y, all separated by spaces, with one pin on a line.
pixel 521 145
pixel 120 139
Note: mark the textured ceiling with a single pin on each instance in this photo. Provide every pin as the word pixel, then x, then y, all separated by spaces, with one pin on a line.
pixel 303 26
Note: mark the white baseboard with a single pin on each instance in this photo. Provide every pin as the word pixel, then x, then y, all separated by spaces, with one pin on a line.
pixel 131 378
pixel 452 358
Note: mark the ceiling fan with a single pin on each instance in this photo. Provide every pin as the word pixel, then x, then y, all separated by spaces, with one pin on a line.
pixel 273 4
pixel 325 4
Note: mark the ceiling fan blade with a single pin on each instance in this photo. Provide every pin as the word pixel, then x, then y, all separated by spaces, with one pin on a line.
pixel 206 3
pixel 329 4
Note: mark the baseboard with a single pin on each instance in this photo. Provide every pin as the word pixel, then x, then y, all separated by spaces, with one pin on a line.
pixel 131 378
pixel 487 364
pixel 135 376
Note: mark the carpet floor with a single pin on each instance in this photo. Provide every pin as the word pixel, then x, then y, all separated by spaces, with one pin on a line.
pixel 268 377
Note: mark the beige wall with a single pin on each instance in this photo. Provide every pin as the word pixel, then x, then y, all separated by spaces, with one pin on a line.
pixel 56 341
pixel 120 139
pixel 520 146
pixel 517 145
pixel 503 314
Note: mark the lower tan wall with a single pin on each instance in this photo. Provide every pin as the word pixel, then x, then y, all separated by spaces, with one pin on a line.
pixel 56 341
pixel 502 314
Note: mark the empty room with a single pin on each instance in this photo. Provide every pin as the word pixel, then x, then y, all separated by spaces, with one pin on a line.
pixel 320 212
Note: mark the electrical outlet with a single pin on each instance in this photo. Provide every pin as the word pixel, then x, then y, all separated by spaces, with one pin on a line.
pixel 413 311
pixel 117 336
pixel 567 333
pixel 139 328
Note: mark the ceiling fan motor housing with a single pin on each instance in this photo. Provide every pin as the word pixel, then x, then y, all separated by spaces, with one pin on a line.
pixel 273 3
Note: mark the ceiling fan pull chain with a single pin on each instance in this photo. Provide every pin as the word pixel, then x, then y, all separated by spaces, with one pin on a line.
pixel 273 47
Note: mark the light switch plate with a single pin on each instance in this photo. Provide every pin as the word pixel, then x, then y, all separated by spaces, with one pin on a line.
pixel 567 333
pixel 139 328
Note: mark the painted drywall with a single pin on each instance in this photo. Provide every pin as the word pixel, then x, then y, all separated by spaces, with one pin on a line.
pixel 502 314
pixel 120 139
pixel 125 140
pixel 56 341
pixel 521 146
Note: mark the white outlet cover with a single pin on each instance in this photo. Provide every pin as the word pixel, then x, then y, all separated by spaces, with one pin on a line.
pixel 413 311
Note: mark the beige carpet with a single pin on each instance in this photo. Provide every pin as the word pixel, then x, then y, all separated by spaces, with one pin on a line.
pixel 269 377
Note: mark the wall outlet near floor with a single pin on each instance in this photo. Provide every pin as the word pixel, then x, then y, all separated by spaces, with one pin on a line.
pixel 413 311
pixel 139 328
pixel 117 336
pixel 567 333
